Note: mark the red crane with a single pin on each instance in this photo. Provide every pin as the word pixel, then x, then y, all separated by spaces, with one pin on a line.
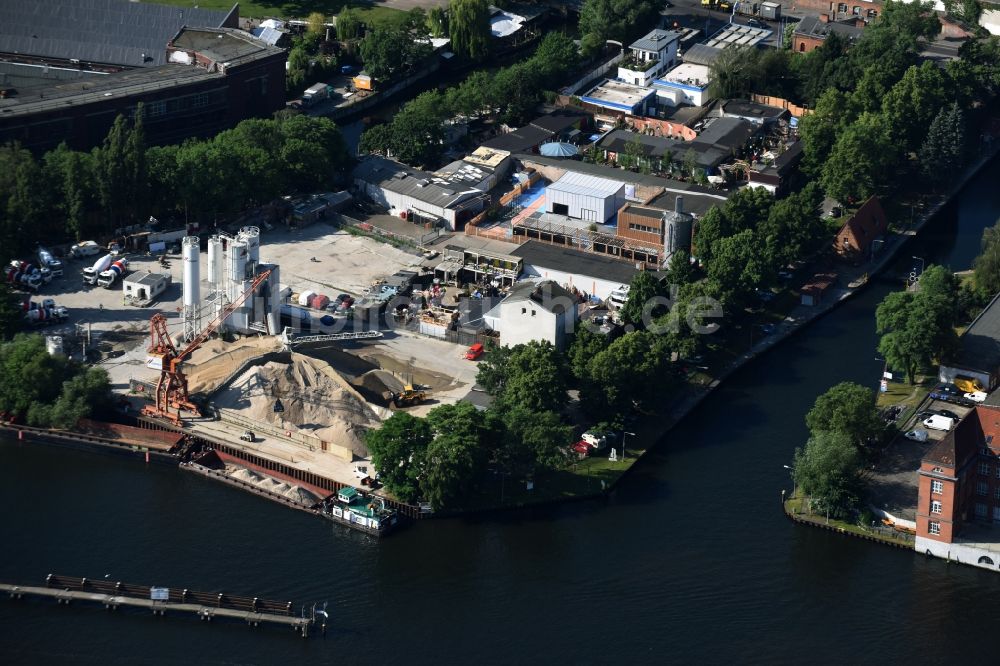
pixel 171 388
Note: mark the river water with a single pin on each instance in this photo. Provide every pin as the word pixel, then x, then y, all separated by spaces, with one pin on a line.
pixel 692 559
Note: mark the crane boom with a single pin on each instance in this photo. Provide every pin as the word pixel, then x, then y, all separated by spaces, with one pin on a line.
pixel 171 388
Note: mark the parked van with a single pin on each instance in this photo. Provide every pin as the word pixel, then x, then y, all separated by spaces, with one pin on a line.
pixel 84 249
pixel 475 351
pixel 619 296
pixel 938 422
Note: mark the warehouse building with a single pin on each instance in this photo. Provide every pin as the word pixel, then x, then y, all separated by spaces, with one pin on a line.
pixel 585 197
pixel 416 194
pixel 589 273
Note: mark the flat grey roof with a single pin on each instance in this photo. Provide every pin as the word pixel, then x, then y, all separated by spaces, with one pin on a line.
pixel 96 88
pixel 115 32
pixel 980 344
pixel 223 45
pixel 564 259
pixel 401 179
pixel 146 278
pixel 655 40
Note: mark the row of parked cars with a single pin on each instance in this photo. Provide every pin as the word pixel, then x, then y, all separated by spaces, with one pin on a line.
pixel 964 391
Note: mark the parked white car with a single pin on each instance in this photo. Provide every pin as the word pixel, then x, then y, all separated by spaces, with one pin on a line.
pixel 938 422
pixel 918 435
pixel 976 396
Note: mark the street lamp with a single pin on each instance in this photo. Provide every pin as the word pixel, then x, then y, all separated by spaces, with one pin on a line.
pixel 921 260
pixel 625 432
pixel 791 474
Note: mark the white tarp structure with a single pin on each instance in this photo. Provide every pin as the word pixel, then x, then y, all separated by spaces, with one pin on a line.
pixel 504 24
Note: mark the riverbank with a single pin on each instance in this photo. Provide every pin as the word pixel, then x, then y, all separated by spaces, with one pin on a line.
pixel 796 509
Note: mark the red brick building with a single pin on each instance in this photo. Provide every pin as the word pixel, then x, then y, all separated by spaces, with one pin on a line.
pixel 958 498
pixel 855 238
pixel 812 31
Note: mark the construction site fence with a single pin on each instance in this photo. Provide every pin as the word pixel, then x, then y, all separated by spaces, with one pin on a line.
pixel 782 103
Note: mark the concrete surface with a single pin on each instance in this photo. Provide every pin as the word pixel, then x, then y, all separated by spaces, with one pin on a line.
pixel 345 263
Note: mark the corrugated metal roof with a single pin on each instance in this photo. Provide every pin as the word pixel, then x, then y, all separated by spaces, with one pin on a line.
pixel 395 177
pixel 579 183
pixel 268 35
pixel 655 40
pixel 103 31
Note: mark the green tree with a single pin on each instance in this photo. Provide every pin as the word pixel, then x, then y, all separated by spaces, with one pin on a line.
pixel 297 72
pixel 316 23
pixel 349 24
pixel 538 439
pixel 386 52
pixel 398 450
pixel 819 130
pixel 26 202
pixel 469 28
pixel 455 459
pixel 619 20
pixel 536 378
pixel 794 227
pixel 942 155
pixel 987 264
pixel 913 103
pixel 679 269
pixel 437 22
pixel 827 472
pixel 861 161
pixel 738 267
pixel 11 316
pixel 645 300
pixel 632 371
pixel 848 408
pixel 556 56
pixel 919 326
pixel 113 173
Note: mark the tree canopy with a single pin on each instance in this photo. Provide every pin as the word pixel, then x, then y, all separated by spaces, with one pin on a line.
pixel 469 28
pixel 847 408
pixel 619 20
pixel 827 472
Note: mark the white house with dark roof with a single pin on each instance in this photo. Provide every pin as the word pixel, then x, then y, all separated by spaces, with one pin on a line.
pixel 649 56
pixel 534 310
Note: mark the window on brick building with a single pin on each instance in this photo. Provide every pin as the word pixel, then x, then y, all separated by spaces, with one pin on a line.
pixel 982 511
pixel 937 487
pixel 982 488
pixel 935 506
pixel 984 469
pixel 934 528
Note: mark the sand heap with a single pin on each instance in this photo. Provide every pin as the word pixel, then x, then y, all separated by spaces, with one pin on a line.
pixel 213 361
pixel 271 485
pixel 317 401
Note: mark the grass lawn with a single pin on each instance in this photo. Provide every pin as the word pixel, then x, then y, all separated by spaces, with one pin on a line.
pixel 798 507
pixel 285 9
pixel 906 394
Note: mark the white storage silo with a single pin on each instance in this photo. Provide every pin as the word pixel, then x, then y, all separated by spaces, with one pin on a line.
pixel 251 236
pixel 215 262
pixel 191 286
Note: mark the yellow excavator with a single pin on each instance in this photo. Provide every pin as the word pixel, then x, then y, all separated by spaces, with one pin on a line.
pixel 408 397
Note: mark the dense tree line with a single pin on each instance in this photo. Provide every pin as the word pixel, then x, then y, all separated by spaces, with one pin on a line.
pixel 45 390
pixel 918 325
pixel 623 21
pixel 68 195
pixel 391 50
pixel 511 94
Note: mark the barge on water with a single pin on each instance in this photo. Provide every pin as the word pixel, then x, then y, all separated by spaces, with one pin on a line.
pixel 368 513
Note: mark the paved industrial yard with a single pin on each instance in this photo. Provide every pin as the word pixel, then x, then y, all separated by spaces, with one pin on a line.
pixel 345 263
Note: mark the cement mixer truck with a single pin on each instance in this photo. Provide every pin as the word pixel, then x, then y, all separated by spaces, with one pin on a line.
pixel 21 279
pixel 43 316
pixel 116 270
pixel 91 273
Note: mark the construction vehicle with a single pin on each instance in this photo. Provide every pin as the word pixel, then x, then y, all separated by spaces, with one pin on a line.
pixel 24 276
pixel 45 316
pixel 967 384
pixel 91 273
pixel 84 249
pixel 171 387
pixel 408 397
pixel 116 270
pixel 248 436
pixel 717 5
pixel 46 260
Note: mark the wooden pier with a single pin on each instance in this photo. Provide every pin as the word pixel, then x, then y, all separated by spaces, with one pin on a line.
pixel 205 605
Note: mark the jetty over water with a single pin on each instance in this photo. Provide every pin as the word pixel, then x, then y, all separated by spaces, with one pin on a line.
pixel 161 600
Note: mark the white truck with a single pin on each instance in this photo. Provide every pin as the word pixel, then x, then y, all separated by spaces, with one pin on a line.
pixel 84 249
pixel 316 93
pixel 116 270
pixel 91 273
pixel 48 261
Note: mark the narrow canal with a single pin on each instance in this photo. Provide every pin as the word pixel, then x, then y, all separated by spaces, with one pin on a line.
pixel 691 560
